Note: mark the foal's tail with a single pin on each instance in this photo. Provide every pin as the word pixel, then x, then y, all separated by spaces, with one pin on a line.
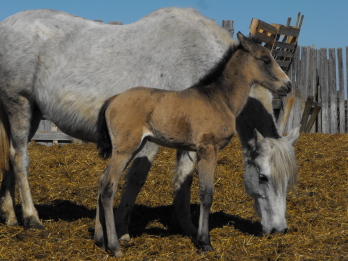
pixel 4 140
pixel 103 140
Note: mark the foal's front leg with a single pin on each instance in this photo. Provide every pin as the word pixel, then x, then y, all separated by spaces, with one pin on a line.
pixel 207 158
pixel 185 167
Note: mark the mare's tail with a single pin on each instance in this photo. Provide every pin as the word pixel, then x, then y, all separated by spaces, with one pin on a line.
pixel 103 140
pixel 4 140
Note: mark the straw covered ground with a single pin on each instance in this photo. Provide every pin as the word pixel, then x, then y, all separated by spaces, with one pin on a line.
pixel 64 184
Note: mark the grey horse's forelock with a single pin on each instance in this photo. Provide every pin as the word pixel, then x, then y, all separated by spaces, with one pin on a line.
pixel 283 164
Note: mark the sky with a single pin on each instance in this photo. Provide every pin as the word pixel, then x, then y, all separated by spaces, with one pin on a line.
pixel 324 25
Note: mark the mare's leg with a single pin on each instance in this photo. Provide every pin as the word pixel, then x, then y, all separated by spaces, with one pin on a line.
pixel 207 158
pixel 7 192
pixel 21 117
pixel 135 180
pixel 185 168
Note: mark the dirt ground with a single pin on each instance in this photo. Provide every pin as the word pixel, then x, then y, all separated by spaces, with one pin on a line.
pixel 64 185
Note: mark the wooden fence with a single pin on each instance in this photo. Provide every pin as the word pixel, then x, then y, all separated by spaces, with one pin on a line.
pixel 322 74
pixel 318 73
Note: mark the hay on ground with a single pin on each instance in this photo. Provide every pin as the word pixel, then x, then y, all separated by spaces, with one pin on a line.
pixel 64 185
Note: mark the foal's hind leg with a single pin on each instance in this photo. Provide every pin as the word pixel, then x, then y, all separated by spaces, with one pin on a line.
pixel 185 168
pixel 20 118
pixel 135 180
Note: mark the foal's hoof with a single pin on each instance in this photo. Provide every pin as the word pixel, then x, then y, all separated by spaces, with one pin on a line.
pixel 31 222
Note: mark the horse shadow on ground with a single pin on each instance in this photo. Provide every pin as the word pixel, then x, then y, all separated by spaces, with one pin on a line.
pixel 143 215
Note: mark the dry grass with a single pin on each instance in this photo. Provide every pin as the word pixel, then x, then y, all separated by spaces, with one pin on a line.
pixel 64 182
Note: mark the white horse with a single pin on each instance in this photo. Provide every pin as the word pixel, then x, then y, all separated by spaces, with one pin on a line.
pixel 64 67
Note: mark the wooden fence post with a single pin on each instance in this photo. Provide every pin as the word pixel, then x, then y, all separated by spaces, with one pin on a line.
pixel 333 91
pixel 341 105
pixel 228 25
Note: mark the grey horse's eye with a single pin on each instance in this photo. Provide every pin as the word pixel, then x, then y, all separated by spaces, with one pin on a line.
pixel 263 178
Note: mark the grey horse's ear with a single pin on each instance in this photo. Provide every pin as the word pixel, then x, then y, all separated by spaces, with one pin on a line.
pixel 258 138
pixel 293 135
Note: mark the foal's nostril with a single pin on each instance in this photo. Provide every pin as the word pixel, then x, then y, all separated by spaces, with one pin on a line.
pixel 289 85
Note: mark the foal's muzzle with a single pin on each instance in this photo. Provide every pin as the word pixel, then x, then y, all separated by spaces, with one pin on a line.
pixel 285 89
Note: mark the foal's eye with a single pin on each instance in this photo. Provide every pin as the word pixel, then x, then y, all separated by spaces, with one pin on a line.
pixel 263 178
pixel 266 60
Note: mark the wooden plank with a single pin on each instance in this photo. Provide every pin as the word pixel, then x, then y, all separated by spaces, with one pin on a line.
pixel 313 117
pixel 285 112
pixel 289 30
pixel 50 136
pixel 309 72
pixel 324 86
pixel 304 71
pixel 283 63
pixel 282 53
pixel 229 26
pixel 333 91
pixel 264 38
pixel 257 24
pixel 306 112
pixel 297 108
pixel 346 92
pixel 319 119
pixel 341 107
pixel 285 45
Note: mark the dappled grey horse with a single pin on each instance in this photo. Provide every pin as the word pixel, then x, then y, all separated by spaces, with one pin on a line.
pixel 64 67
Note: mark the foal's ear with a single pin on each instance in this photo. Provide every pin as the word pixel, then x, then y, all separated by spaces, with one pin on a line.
pixel 293 135
pixel 245 42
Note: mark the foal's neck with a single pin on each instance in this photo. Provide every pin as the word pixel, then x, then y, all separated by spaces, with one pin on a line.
pixel 234 83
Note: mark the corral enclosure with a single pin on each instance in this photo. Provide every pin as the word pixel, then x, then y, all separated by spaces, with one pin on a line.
pixel 64 187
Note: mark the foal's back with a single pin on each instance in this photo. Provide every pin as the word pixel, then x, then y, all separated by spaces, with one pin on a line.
pixel 174 119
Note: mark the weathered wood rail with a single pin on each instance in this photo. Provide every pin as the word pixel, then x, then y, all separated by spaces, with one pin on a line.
pixel 321 73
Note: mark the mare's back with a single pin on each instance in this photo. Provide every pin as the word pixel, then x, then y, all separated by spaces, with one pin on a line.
pixel 71 65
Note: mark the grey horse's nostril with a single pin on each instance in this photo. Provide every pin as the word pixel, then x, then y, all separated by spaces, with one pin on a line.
pixel 273 231
pixel 285 231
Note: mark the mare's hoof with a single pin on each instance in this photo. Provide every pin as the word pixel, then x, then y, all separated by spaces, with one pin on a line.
pixel 118 253
pixel 31 222
pixel 99 242
pixel 207 247
pixel 12 222
pixel 125 238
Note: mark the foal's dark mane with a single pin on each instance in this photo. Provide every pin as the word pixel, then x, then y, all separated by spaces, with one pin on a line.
pixel 215 72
